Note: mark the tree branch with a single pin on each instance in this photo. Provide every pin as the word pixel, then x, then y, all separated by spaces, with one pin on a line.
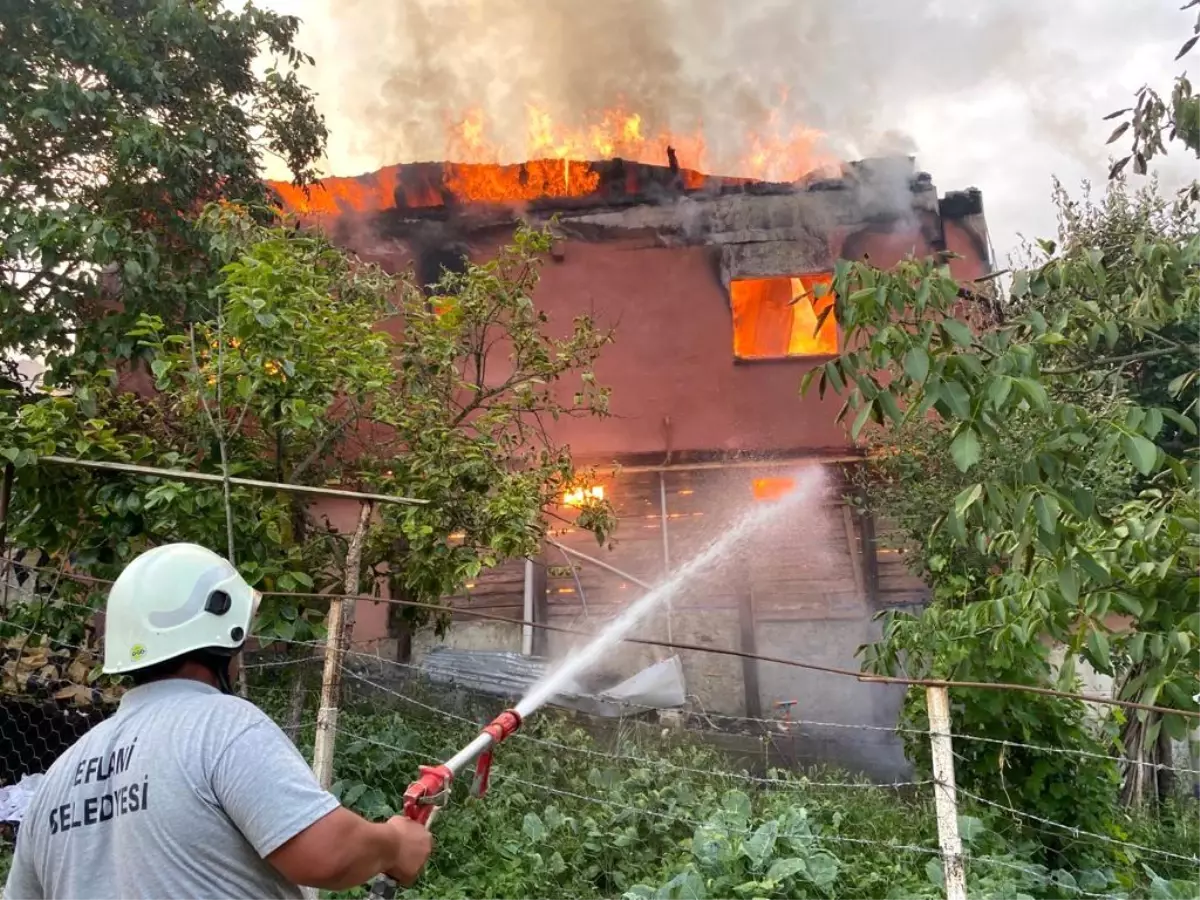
pixel 1111 361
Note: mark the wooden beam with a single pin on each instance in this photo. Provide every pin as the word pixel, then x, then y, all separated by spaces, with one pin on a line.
pixel 749 645
pixel 856 555
pixel 541 606
pixel 870 550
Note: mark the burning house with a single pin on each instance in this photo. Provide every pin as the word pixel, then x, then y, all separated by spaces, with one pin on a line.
pixel 709 283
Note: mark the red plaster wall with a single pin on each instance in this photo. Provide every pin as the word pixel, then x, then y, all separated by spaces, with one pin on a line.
pixel 673 350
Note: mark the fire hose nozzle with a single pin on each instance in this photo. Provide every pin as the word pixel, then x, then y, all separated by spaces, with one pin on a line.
pixel 498 729
pixel 422 796
pixel 503 725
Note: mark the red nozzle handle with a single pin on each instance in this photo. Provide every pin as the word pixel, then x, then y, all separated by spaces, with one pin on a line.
pixel 503 725
pixel 420 799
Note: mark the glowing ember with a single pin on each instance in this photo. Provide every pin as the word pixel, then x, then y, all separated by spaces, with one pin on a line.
pixel 579 496
pixel 772 488
pixel 540 178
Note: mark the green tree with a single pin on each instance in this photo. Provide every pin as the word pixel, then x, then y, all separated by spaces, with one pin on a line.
pixel 122 118
pixel 1054 509
pixel 289 379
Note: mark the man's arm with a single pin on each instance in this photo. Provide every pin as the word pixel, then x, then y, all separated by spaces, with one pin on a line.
pixel 344 850
pixel 23 883
pixel 271 795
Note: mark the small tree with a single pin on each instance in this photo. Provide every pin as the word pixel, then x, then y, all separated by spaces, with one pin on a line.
pixel 289 379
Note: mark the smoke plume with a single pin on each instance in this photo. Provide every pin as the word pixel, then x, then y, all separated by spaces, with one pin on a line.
pixel 396 73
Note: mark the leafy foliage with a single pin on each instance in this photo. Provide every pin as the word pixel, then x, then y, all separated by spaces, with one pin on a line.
pixel 1154 121
pixel 287 378
pixel 642 814
pixel 1056 496
pixel 121 119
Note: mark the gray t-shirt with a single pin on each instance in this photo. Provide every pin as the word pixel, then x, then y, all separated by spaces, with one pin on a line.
pixel 183 793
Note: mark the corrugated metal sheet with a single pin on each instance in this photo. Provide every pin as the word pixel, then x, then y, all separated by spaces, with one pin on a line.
pixel 511 675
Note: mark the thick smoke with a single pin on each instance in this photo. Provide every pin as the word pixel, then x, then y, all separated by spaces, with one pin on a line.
pixel 998 93
pixel 394 73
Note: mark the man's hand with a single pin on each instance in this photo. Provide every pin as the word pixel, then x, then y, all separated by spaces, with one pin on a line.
pixel 413 846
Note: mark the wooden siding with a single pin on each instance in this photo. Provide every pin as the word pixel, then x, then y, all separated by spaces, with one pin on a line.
pixel 810 564
pixel 897 585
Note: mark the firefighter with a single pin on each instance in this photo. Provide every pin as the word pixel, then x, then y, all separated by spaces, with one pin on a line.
pixel 188 790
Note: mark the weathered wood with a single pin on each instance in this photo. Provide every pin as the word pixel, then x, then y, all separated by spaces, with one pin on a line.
pixel 338 624
pixel 937 700
pixel 749 644
pixel 856 567
pixel 541 613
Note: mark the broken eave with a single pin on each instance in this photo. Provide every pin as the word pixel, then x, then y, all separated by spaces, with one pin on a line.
pixel 762 228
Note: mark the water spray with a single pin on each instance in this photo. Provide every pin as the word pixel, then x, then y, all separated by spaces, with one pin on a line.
pixel 427 796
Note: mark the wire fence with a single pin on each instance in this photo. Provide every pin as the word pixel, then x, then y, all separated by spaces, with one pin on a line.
pixel 666 784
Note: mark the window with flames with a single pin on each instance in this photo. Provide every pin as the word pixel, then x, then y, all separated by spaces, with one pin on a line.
pixel 780 317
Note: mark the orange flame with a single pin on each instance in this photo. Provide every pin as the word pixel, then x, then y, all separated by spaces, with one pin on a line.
pixel 558 162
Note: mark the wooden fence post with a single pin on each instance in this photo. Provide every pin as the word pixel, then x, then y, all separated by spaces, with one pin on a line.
pixel 337 630
pixel 938 702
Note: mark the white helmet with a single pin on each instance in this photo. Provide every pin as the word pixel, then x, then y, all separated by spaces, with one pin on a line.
pixel 174 600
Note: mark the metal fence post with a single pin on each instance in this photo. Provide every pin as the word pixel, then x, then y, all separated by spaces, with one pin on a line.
pixel 937 700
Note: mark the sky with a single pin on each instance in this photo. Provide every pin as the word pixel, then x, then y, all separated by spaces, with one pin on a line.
pixel 1002 95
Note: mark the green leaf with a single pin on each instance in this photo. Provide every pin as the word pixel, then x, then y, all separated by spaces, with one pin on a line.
pixel 1139 451
pixel 965 448
pixel 1099 652
pixel 916 364
pixel 687 885
pixel 351 796
pixel 533 828
pixel 887 403
pixel 959 333
pixel 1047 510
pixel 966 498
pixel 933 871
pixel 957 399
pixel 861 419
pixel 761 844
pixel 1153 423
pixel 1186 424
pixel 1068 583
pixel 1175 388
pixel 970 828
pixel 834 374
pixel 736 806
pixel 822 869
pixel 783 869
pixel 998 390
pixel 1130 604
pixel 1034 392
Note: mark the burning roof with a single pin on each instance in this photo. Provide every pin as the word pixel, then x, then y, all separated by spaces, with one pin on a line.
pixel 558 165
pixel 762 228
pixel 416 186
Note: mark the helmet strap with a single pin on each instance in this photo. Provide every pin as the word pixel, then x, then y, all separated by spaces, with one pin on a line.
pixel 217 662
pixel 222 673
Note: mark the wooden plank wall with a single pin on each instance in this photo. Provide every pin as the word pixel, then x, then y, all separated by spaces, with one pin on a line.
pixel 811 564
pixel 897 585
pixel 499 591
pixel 805 565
